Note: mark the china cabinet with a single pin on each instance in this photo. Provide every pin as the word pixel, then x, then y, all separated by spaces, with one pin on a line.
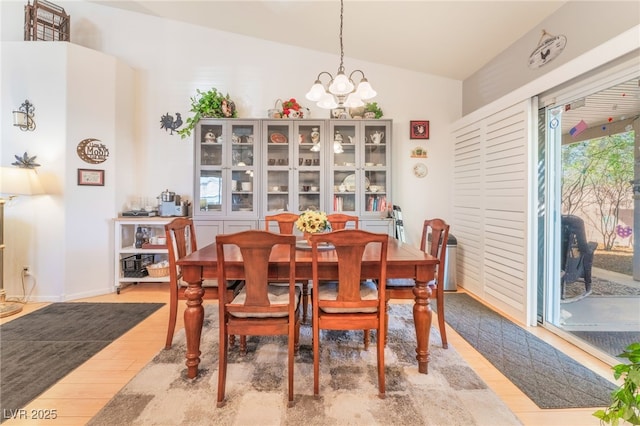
pixel 248 169
pixel 131 261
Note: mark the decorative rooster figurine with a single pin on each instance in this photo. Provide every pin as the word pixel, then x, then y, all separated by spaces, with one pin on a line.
pixel 167 122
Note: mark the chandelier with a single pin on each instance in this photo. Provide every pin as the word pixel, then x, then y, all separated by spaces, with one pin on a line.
pixel 341 91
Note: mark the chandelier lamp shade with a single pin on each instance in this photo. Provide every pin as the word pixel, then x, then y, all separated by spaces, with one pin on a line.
pixel 341 91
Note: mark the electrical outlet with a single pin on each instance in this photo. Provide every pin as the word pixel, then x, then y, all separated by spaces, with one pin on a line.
pixel 26 270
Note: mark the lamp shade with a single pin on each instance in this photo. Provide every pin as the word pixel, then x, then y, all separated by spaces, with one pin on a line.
pixel 19 181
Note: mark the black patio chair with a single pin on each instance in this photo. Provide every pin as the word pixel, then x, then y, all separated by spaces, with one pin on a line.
pixel 577 253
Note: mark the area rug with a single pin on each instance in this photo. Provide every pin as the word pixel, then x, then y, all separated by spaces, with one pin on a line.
pixel 40 348
pixel 548 377
pixel 451 394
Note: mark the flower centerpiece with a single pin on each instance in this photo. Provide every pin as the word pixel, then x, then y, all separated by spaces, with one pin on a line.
pixel 313 221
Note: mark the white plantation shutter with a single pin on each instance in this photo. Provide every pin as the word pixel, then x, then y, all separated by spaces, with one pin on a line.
pixel 490 208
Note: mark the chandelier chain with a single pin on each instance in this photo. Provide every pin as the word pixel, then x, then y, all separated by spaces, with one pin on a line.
pixel 341 69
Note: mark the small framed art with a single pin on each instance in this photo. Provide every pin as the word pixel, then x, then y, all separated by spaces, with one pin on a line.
pixel 419 129
pixel 90 177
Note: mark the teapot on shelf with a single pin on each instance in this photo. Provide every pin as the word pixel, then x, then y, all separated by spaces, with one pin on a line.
pixel 377 136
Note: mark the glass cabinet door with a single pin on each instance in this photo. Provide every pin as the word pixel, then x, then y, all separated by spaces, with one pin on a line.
pixel 375 156
pixel 278 162
pixel 225 168
pixel 345 139
pixel 243 138
pixel 310 152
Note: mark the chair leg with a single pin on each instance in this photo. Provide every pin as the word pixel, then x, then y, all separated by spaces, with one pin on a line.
pixel 386 320
pixel 305 300
pixel 173 313
pixel 316 358
pixel 367 337
pixel 380 346
pixel 443 332
pixel 243 345
pixel 222 364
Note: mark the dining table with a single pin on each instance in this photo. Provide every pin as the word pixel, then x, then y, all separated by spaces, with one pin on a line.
pixel 403 261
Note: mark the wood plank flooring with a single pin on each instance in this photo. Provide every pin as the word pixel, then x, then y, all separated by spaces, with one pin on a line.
pixel 81 394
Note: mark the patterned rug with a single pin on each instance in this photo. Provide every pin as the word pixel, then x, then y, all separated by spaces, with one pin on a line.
pixel 450 394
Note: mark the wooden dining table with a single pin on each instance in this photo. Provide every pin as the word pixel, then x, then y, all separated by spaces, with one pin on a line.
pixel 403 261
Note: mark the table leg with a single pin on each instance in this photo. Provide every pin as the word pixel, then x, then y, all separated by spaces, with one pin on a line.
pixel 193 320
pixel 422 316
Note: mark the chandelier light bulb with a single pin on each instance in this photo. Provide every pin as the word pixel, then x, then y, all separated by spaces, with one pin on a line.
pixel 327 101
pixel 353 101
pixel 341 85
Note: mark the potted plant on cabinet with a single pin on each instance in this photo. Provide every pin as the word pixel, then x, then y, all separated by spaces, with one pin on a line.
pixel 209 104
pixel 372 110
pixel 625 401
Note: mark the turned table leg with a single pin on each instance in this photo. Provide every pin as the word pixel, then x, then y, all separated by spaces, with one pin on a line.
pixel 193 320
pixel 422 316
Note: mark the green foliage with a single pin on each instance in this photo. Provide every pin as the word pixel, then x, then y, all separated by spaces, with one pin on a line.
pixel 595 177
pixel 374 108
pixel 625 401
pixel 209 104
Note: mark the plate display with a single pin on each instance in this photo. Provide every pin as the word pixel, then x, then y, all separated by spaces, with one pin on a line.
pixel 304 245
pixel 278 138
pixel 350 182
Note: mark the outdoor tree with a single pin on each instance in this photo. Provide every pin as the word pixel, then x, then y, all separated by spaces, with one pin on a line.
pixel 596 178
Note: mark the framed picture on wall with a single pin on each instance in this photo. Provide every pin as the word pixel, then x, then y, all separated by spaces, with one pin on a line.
pixel 90 177
pixel 419 129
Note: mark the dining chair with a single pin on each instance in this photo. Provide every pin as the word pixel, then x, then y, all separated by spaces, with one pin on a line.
pixel 181 241
pixel 435 233
pixel 340 221
pixel 286 222
pixel 355 301
pixel 259 308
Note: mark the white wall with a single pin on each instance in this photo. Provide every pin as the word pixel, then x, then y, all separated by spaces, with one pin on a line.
pixel 172 59
pixel 65 235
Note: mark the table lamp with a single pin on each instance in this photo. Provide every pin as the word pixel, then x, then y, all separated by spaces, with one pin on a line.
pixel 14 181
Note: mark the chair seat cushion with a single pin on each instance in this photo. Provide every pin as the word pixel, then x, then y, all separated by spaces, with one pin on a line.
pixel 278 295
pixel 329 291
pixel 406 282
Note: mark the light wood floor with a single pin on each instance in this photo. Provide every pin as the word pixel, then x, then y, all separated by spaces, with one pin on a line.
pixel 80 395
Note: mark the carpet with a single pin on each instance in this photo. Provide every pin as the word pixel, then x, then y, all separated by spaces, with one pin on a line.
pixel 40 348
pixel 450 394
pixel 548 377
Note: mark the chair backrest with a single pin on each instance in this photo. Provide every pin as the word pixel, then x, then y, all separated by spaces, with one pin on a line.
pixel 339 221
pixel 181 241
pixel 350 246
pixel 435 233
pixel 285 222
pixel 255 247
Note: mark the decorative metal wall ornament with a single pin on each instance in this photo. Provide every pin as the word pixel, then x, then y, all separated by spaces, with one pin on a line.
pixel 91 152
pixel 23 117
pixel 168 123
pixel 25 162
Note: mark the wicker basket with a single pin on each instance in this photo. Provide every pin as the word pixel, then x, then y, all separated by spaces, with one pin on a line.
pixel 157 271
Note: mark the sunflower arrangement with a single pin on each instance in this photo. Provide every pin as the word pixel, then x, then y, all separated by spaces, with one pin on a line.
pixel 313 221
